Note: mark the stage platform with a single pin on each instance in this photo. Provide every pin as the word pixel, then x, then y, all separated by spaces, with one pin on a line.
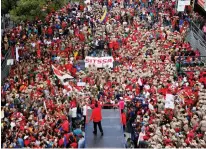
pixel 113 132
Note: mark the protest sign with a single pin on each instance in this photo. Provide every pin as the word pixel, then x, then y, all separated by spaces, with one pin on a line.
pixel 169 102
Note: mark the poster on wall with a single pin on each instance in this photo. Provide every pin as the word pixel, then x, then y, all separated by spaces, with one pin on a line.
pixel 99 62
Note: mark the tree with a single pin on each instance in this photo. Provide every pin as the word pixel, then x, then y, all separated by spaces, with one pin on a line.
pixel 55 4
pixel 7 5
pixel 28 10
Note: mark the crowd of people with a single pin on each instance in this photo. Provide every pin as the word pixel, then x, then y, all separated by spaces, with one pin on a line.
pixel 145 38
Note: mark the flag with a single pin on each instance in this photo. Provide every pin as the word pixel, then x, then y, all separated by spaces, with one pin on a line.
pixel 68 87
pixel 104 17
pixel 61 75
pixel 140 82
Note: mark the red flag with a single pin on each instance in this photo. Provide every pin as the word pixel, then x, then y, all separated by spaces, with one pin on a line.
pixel 57 72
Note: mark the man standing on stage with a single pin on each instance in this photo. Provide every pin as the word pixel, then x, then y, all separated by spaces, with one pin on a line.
pixel 97 117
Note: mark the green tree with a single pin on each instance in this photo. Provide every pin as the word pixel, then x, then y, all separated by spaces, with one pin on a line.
pixel 55 4
pixel 27 10
pixel 32 9
pixel 7 5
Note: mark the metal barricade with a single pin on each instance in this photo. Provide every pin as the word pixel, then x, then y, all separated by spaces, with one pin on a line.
pixel 197 31
pixel 5 69
pixel 197 39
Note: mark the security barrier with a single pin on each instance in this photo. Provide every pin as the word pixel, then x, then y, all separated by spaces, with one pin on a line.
pixel 5 69
pixel 197 39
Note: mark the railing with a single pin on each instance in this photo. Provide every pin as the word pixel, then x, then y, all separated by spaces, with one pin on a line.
pixel 5 69
pixel 197 39
pixel 198 31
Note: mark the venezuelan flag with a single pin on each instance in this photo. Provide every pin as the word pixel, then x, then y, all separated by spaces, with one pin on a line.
pixel 104 17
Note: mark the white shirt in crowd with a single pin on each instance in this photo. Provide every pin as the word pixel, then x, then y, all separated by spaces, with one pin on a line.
pixel 127 30
pixel 89 8
pixel 112 102
pixel 151 107
pixel 33 44
pixel 85 108
pixel 2 114
pixel 74 112
pixel 12 125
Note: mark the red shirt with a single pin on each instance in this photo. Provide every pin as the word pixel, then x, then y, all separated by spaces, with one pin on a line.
pixel 110 3
pixel 65 125
pixel 129 87
pixel 74 145
pixel 123 119
pixel 81 37
pixel 73 71
pixel 32 139
pixel 50 31
pixel 96 114
pixel 111 45
pixel 68 67
pixel 167 141
pixel 26 142
pixel 116 45
pixel 38 53
pixel 64 24
pixel 81 7
pixel 61 142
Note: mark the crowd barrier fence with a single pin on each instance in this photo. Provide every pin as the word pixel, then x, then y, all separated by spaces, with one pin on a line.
pixel 5 69
pixel 197 39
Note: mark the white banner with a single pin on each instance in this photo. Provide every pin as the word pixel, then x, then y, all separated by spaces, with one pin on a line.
pixel 184 2
pixel 181 8
pixel 99 62
pixel 10 62
pixel 169 102
pixel 81 83
pixel 181 5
